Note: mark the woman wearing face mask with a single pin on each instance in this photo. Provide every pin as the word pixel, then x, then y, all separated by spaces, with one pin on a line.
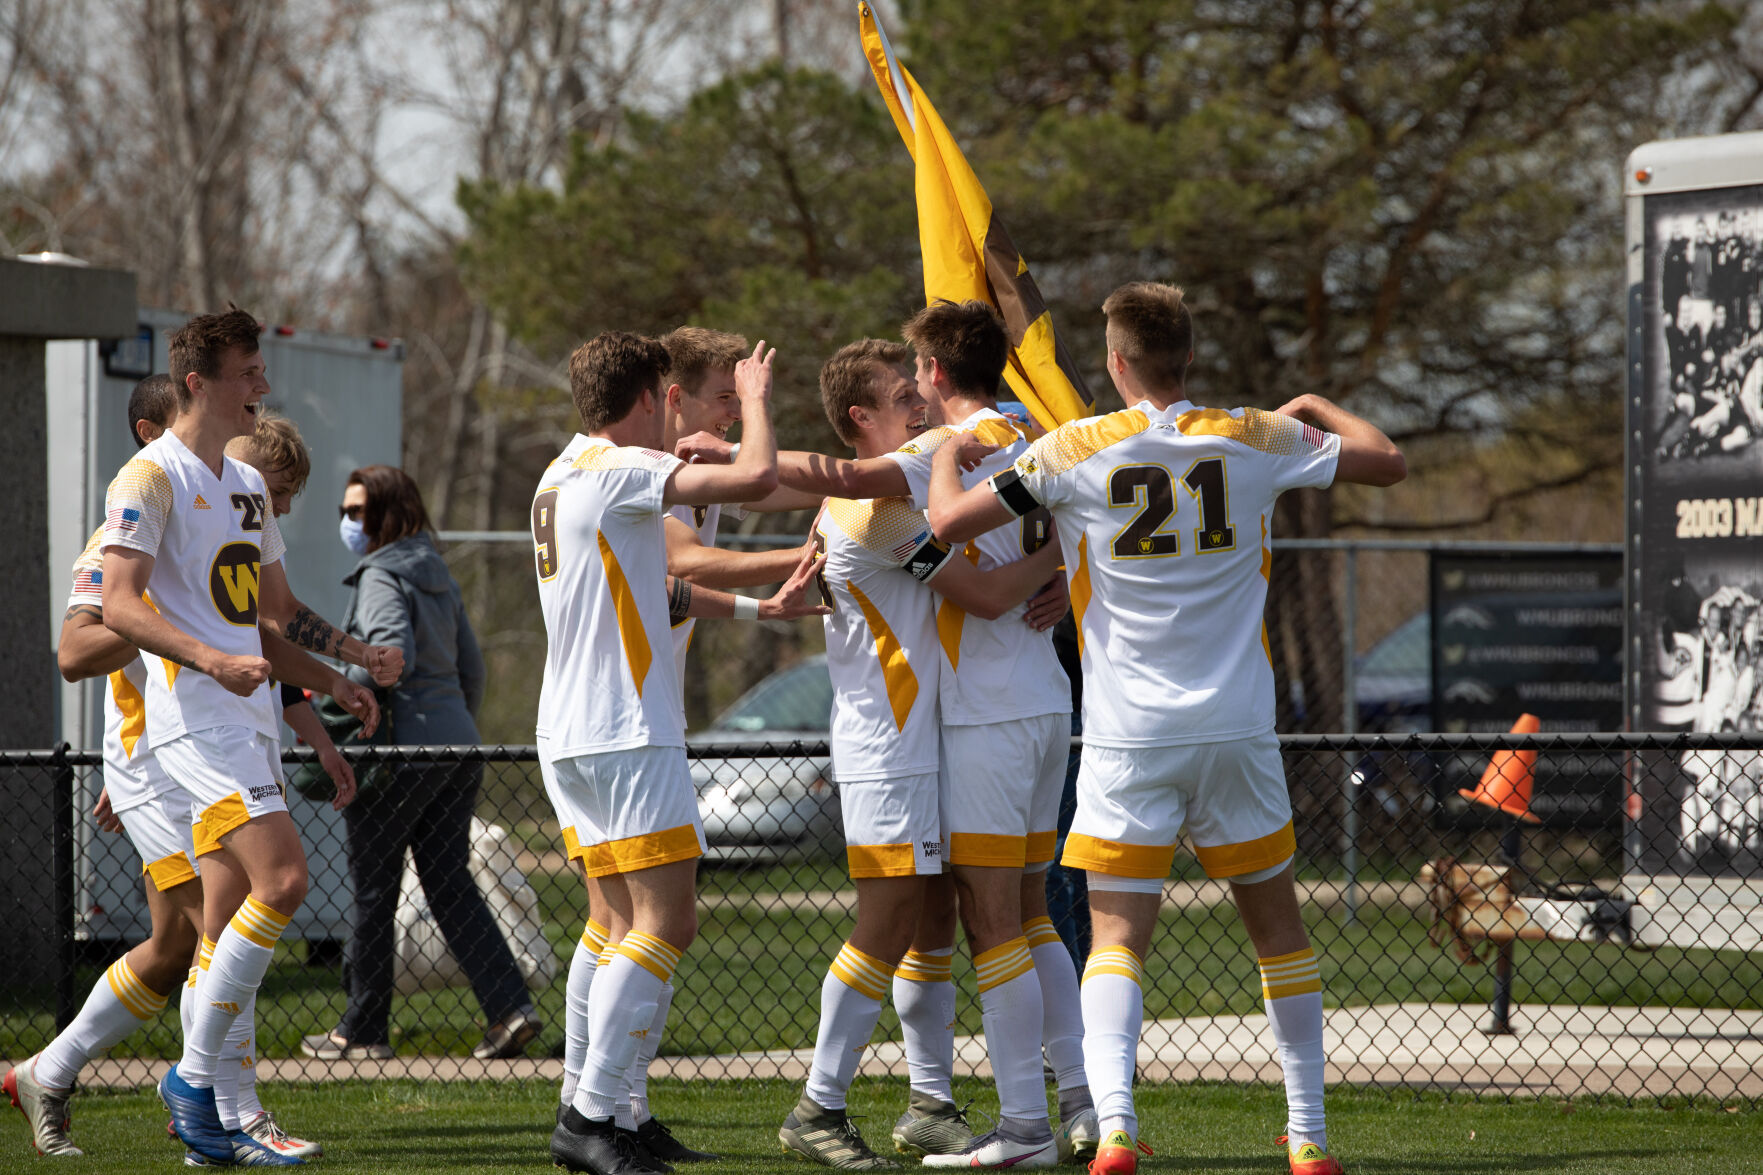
pixel 406 597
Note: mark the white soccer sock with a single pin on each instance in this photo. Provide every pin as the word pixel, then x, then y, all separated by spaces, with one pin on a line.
pixel 639 1074
pixel 850 1004
pixel 1010 1010
pixel 924 996
pixel 621 1008
pixel 1291 985
pixel 236 1060
pixel 119 1004
pixel 1062 1019
pixel 187 997
pixel 241 956
pixel 1114 1011
pixel 582 966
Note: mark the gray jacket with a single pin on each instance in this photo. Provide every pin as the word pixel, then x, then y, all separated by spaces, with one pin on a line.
pixel 405 596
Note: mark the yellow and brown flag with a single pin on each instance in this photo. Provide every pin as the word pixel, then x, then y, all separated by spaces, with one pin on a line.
pixel 967 253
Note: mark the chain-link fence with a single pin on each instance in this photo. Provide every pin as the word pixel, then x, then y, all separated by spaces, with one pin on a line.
pixel 1603 939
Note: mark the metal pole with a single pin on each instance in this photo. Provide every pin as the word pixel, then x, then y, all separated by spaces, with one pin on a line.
pixel 61 863
pixel 1350 724
pixel 1500 1024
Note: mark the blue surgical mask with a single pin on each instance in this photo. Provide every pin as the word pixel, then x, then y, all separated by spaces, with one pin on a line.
pixel 355 538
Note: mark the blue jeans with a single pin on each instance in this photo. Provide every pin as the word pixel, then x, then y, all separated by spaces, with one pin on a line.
pixel 1068 891
pixel 427 808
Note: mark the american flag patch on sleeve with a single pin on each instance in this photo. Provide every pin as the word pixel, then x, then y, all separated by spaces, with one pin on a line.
pixel 1314 436
pixel 122 519
pixel 910 545
pixel 88 580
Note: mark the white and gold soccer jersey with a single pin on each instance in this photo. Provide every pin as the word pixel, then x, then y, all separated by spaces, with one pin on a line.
pixel 210 538
pixel 154 809
pixel 1163 516
pixel 1000 669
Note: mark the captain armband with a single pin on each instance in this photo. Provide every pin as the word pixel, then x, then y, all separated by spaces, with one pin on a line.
pixel 679 599
pixel 1012 493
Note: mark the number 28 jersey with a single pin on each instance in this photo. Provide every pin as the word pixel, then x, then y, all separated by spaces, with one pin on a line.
pixel 601 559
pixel 1163 515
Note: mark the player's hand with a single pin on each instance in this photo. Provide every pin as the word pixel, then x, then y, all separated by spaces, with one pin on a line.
pixel 969 451
pixel 105 815
pixel 359 701
pixel 1048 606
pixel 341 774
pixel 1298 409
pixel 384 663
pixel 239 675
pixel 753 375
pixel 792 599
pixel 704 448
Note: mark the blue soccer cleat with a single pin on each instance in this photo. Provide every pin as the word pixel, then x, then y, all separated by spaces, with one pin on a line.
pixel 247 1152
pixel 194 1117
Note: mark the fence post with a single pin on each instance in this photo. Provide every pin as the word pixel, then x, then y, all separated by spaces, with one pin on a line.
pixel 61 863
pixel 1350 724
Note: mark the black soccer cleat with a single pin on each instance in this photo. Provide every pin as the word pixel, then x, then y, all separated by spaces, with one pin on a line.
pixel 595 1146
pixel 661 1143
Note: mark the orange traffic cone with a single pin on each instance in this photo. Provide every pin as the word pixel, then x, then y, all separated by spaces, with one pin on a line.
pixel 1506 782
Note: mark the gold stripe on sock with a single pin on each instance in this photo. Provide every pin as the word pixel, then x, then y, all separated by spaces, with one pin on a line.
pixel 922 968
pixel 594 937
pixel 1298 973
pixel 205 956
pixel 862 973
pixel 131 993
pixel 650 953
pixel 260 925
pixel 191 981
pixel 1002 963
pixel 1114 961
pixel 1040 932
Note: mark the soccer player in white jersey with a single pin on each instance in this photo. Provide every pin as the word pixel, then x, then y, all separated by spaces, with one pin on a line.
pixel 194 528
pixel 882 566
pixel 1006 727
pixel 611 731
pixel 1162 509
pixel 140 800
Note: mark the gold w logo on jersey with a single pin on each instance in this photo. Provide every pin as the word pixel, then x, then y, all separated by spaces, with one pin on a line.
pixel 233 582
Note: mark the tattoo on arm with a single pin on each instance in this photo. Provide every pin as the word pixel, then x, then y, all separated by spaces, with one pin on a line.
pixel 84 610
pixel 180 659
pixel 310 632
pixel 679 599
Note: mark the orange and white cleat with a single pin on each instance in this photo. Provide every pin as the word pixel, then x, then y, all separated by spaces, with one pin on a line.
pixel 1118 1154
pixel 1311 1159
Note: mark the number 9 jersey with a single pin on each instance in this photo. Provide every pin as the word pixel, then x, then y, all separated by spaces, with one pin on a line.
pixel 1163 515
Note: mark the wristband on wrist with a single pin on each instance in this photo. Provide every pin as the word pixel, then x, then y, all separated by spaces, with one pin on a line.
pixel 746 608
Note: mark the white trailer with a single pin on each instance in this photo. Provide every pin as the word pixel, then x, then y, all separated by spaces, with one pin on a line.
pixel 346 396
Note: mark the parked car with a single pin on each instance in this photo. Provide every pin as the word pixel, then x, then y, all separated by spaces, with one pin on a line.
pixel 760 807
pixel 1392 680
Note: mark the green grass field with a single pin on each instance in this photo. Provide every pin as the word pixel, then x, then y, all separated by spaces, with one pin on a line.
pixel 397 1126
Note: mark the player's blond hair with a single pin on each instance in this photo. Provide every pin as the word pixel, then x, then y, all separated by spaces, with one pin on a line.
pixel 696 351
pixel 847 380
pixel 274 446
pixel 1149 325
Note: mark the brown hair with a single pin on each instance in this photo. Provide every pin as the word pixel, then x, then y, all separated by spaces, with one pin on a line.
pixel 1150 326
pixel 394 504
pixel 695 351
pixel 610 372
pixel 274 446
pixel 154 398
pixel 847 380
pixel 967 339
pixel 200 344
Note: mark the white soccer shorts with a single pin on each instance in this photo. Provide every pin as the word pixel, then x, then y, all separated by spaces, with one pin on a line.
pixel 231 773
pixel 159 828
pixel 632 810
pixel 892 827
pixel 1000 790
pixel 1133 802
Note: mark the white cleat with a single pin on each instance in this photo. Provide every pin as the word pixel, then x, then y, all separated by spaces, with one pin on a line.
pixel 994 1150
pixel 265 1129
pixel 44 1108
pixel 1079 1137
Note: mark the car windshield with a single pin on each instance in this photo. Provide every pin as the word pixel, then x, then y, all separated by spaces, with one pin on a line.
pixel 1406 652
pixel 795 699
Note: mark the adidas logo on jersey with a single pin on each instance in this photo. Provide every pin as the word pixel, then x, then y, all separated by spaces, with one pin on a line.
pixel 226 1006
pixel 201 503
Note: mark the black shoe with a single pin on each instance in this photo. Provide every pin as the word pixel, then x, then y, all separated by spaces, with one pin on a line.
pixel 655 1135
pixel 648 1158
pixel 597 1147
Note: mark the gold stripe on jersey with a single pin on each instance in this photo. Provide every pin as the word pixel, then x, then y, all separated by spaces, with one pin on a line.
pixel 1117 858
pixel 1041 846
pixel 988 848
pixel 993 430
pixel 618 457
pixel 630 621
pixel 1080 589
pixel 1266 577
pixel 1263 852
pixel 169 871
pixel 646 851
pixel 220 818
pixel 880 860
pixel 144 481
pixel 1268 431
pixel 951 619
pixel 879 524
pixel 1070 445
pixel 133 707
pixel 897 675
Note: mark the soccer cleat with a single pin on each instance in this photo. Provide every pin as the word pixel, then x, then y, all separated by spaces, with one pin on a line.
pixel 329 1046
pixel 828 1137
pixel 595 1146
pixel 1118 1155
pixel 1078 1137
pixel 660 1142
pixel 995 1150
pixel 265 1129
pixel 1311 1159
pixel 44 1108
pixel 194 1117
pixel 931 1126
pixel 247 1152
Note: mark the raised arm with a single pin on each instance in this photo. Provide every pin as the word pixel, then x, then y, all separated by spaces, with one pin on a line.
pixel 815 473
pixel 960 515
pixel 1367 457
pixel 712 567
pixel 753 472
pixel 88 649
